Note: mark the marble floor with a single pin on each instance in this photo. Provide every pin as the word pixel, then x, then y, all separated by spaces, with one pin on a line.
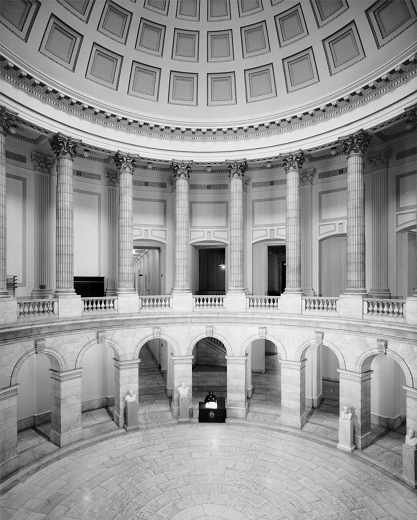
pixel 208 472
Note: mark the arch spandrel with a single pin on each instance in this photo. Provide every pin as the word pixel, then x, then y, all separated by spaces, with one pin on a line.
pixel 220 337
pixel 104 341
pixel 171 342
pixel 282 352
pixel 363 363
pixel 301 350
pixel 56 360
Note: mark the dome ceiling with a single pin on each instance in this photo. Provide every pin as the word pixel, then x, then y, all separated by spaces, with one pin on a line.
pixel 208 62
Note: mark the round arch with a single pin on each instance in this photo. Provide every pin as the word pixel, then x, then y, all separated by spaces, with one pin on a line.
pixel 80 356
pixel 57 362
pixel 282 353
pixel 170 341
pixel 301 350
pixel 195 340
pixel 365 360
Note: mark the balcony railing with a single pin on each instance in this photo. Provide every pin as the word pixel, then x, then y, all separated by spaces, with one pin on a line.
pixel 156 301
pixel 263 302
pixel 384 307
pixel 38 307
pixel 100 303
pixel 208 301
pixel 320 304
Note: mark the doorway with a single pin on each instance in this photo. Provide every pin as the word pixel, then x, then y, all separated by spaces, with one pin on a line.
pixel 147 270
pixel 276 270
pixel 211 270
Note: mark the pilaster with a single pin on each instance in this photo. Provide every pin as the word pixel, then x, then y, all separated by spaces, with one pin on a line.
pixel 8 430
pixel 126 378
pixel 66 407
pixel 236 387
pixel 293 411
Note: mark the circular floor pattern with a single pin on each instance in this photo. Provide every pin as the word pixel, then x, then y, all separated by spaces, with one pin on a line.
pixel 208 472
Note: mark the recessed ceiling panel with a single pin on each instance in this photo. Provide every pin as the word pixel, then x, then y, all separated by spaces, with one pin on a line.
pixel 104 66
pixel 188 9
pixel 115 21
pixel 260 83
pixel 183 88
pixel 80 8
pixel 343 48
pixel 249 7
pixel 220 45
pixel 18 15
pixel 291 25
pixel 144 81
pixel 389 18
pixel 254 39
pixel 159 6
pixel 221 89
pixel 300 70
pixel 185 45
pixel 61 43
pixel 218 10
pixel 327 10
pixel 150 37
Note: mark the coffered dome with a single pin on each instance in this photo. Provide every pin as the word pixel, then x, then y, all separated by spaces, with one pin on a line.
pixel 208 63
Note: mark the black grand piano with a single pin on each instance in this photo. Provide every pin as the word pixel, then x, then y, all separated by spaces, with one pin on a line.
pixel 213 409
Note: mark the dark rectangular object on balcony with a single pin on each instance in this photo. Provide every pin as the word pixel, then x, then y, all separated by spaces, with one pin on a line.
pixel 89 285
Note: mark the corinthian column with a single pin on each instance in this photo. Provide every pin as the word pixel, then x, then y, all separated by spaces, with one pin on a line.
pixel 290 301
pixel 355 147
pixel 128 300
pixel 236 171
pixel 8 306
pixel 65 149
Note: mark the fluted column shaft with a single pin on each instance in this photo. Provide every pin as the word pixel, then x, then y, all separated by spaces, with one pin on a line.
pixel 3 229
pixel 125 167
pixel 65 150
pixel 235 278
pixel 181 172
pixel 292 165
pixel 355 147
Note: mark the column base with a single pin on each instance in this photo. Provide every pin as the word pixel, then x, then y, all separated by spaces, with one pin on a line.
pixel 182 301
pixel 363 441
pixel 235 411
pixel 8 310
pixel 293 418
pixel 411 309
pixel 62 439
pixel 379 293
pixel 235 301
pixel 291 302
pixel 69 305
pixel 351 305
pixel 345 447
pixel 127 303
pixel 42 293
pixel 410 465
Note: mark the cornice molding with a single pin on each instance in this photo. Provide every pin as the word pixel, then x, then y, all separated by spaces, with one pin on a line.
pixel 380 86
pixel 7 120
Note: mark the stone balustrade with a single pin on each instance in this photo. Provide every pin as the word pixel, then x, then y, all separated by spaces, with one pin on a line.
pixel 263 302
pixel 208 301
pixel 320 304
pixel 155 301
pixel 100 304
pixel 36 307
pixel 384 307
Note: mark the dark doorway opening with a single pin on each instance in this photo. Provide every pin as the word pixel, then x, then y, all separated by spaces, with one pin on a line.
pixel 211 270
pixel 276 270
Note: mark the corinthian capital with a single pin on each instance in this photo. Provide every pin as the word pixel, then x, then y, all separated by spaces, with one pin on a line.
pixel 237 168
pixel 181 169
pixel 124 162
pixel 63 145
pixel 7 120
pixel 356 143
pixel 293 161
pixel 42 162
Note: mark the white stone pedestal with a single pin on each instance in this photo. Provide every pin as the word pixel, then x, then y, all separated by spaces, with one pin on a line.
pixel 126 380
pixel 346 431
pixel 182 301
pixel 131 415
pixel 8 310
pixel 128 303
pixel 290 303
pixel 69 305
pixel 293 405
pixel 351 305
pixel 411 309
pixel 235 301
pixel 410 465
pixel 236 387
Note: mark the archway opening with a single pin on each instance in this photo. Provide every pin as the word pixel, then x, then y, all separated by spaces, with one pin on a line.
pixel 385 412
pixel 263 379
pixel 97 390
pixel 209 370
pixel 322 391
pixel 34 404
pixel 154 371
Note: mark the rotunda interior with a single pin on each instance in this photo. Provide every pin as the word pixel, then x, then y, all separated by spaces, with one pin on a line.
pixel 205 197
